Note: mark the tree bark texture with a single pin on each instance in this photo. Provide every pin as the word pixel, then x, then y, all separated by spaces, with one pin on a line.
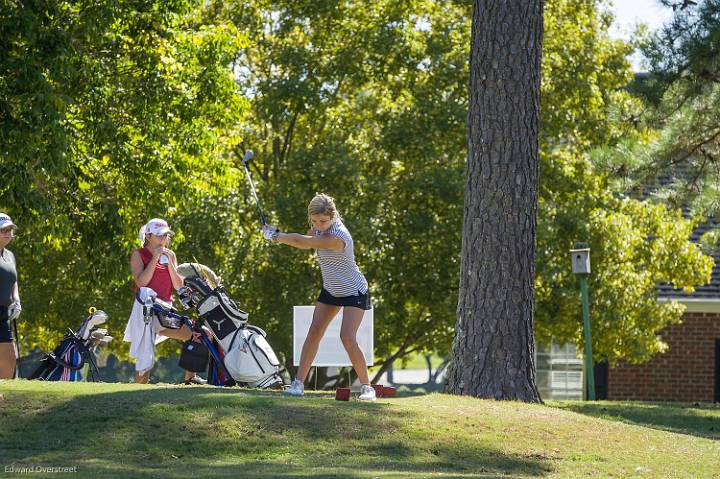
pixel 493 351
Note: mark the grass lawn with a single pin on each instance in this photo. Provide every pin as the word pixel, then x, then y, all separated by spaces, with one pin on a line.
pixel 162 431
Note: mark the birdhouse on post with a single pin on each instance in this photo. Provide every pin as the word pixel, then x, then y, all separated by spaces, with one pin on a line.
pixel 580 259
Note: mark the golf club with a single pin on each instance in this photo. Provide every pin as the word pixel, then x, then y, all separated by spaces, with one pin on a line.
pixel 95 344
pixel 98 333
pixel 84 325
pixel 247 157
pixel 93 339
pixel 16 374
pixel 97 317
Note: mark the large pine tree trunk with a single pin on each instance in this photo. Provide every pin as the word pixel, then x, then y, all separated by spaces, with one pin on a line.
pixel 493 352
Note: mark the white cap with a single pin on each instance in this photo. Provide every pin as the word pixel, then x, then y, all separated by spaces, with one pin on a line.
pixel 5 221
pixel 155 226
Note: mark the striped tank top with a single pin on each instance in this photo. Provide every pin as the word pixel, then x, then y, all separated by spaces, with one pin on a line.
pixel 341 275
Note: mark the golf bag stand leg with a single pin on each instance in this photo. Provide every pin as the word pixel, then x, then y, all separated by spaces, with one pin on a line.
pixel 216 357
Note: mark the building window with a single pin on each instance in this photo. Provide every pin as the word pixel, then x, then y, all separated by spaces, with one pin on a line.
pixel 559 371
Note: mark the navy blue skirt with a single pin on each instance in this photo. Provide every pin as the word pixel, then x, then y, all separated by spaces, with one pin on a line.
pixel 360 301
pixel 5 332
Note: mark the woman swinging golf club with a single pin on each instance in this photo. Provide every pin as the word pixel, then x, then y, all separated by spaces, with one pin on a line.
pixel 344 286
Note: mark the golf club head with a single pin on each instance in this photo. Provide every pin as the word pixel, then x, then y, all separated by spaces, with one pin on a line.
pixel 104 342
pixel 247 157
pixel 97 318
pixel 98 334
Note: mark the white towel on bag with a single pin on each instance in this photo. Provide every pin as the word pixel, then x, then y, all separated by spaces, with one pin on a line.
pixel 143 337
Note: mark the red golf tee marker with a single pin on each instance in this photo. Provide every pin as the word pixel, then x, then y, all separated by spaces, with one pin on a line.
pixel 342 394
pixel 378 390
pixel 388 391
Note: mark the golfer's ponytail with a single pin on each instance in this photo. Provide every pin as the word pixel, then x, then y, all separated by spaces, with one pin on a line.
pixel 142 237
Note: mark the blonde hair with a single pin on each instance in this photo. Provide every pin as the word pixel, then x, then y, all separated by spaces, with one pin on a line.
pixel 323 204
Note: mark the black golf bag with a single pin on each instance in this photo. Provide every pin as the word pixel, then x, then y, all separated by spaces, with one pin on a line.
pixel 244 350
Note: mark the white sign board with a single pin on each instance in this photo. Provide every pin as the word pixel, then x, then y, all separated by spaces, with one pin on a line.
pixel 331 351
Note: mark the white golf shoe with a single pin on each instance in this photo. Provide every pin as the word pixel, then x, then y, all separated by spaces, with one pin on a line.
pixel 296 389
pixel 367 393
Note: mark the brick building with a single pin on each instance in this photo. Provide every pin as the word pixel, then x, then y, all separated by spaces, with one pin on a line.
pixel 690 369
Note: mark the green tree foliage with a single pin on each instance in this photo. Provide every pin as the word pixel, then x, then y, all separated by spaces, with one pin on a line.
pixel 635 244
pixel 368 102
pixel 683 97
pixel 354 99
pixel 116 112
pixel 110 112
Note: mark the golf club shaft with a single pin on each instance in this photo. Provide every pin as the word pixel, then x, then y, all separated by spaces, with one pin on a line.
pixel 252 188
pixel 17 349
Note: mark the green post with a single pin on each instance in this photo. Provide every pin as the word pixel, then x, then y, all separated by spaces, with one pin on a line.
pixel 580 257
pixel 589 370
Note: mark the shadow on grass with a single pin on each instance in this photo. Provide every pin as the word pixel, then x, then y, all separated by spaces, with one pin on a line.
pixel 694 420
pixel 176 432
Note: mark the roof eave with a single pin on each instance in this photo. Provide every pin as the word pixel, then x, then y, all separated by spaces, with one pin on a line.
pixel 695 305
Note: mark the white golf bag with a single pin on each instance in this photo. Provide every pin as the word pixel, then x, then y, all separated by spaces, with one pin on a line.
pixel 248 356
pixel 250 359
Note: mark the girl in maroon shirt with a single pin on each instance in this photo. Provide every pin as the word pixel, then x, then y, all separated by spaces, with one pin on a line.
pixel 155 266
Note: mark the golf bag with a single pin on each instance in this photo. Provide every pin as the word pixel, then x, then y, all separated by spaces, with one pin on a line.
pixel 68 360
pixel 244 349
pixel 251 360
